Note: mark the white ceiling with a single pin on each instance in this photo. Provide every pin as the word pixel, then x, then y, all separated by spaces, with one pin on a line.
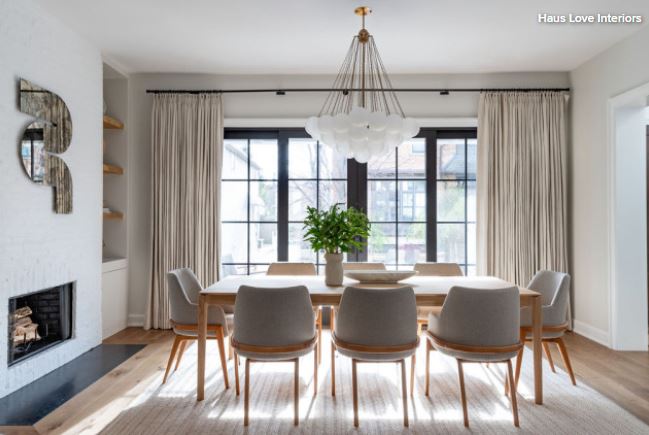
pixel 312 36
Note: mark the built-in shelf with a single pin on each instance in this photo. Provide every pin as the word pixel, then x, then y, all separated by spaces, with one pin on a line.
pixel 112 169
pixel 113 215
pixel 110 122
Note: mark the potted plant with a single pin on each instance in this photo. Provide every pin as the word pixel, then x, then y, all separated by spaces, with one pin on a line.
pixel 335 231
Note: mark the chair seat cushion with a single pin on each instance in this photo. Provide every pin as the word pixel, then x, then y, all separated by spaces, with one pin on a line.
pixel 476 357
pixel 229 319
pixel 378 357
pixel 263 356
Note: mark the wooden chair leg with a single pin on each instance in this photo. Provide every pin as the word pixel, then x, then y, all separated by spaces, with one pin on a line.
pixel 316 361
pixel 236 373
pixel 174 349
pixel 413 363
pixel 465 411
pixel 333 368
pixel 548 355
pixel 355 392
pixel 224 364
pixel 566 359
pixel 428 349
pixel 230 351
pixel 519 363
pixel 296 392
pixel 404 388
pixel 512 396
pixel 181 351
pixel 319 335
pixel 246 394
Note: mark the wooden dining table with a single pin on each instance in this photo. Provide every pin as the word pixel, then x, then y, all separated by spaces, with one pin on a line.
pixel 430 291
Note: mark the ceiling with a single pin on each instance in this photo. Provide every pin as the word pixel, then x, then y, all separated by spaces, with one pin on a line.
pixel 312 36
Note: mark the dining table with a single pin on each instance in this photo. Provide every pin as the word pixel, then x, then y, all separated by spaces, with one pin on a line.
pixel 430 291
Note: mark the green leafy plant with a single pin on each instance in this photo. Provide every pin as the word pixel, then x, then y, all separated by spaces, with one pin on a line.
pixel 336 230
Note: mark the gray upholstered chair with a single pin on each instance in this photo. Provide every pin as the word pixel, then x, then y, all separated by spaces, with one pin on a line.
pixel 273 325
pixel 363 266
pixel 434 269
pixel 286 268
pixel 376 325
pixel 183 290
pixel 555 290
pixel 477 325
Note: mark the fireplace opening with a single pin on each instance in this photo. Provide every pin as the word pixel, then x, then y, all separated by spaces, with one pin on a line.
pixel 39 320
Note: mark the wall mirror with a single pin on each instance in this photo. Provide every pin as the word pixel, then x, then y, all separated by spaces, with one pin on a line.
pixel 49 135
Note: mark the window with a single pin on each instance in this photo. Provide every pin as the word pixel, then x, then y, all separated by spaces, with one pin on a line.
pixel 420 198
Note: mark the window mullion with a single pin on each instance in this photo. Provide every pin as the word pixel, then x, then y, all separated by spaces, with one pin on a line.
pixel 282 196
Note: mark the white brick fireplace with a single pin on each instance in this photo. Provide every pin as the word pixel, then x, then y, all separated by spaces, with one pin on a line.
pixel 38 248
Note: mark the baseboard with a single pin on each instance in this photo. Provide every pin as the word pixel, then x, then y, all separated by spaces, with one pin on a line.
pixel 135 320
pixel 592 333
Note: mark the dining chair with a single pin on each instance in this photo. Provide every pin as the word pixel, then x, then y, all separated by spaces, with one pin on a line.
pixel 274 325
pixel 183 285
pixel 353 265
pixel 286 268
pixel 555 294
pixel 433 269
pixel 477 326
pixel 376 326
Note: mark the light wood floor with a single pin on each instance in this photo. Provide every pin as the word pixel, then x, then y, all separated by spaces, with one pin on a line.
pixel 621 376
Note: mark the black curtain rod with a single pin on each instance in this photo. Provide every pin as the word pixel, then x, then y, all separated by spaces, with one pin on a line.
pixel 442 91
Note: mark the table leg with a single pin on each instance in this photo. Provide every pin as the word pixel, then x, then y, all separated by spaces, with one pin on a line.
pixel 537 324
pixel 202 339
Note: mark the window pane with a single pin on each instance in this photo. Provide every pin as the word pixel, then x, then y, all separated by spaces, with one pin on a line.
pixel 412 201
pixel 412 158
pixel 412 243
pixel 233 269
pixel 300 195
pixel 471 271
pixel 234 201
pixel 233 248
pixel 332 192
pixel 263 243
pixel 450 158
pixel 235 159
pixel 471 243
pixel 381 245
pixel 450 201
pixel 258 269
pixel 298 249
pixel 472 158
pixel 263 159
pixel 263 200
pixel 382 166
pixel 450 243
pixel 471 202
pixel 381 200
pixel 332 164
pixel 302 158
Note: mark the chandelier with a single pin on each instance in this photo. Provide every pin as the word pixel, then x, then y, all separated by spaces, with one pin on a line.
pixel 362 116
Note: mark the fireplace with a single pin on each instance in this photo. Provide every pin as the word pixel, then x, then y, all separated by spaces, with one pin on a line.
pixel 39 320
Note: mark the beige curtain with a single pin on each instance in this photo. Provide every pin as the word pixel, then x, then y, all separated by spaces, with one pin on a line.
pixel 187 143
pixel 522 223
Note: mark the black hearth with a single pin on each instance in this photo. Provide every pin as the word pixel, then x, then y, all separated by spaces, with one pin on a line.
pixel 39 320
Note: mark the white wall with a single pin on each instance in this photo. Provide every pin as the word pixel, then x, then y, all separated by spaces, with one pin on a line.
pixel 618 69
pixel 40 249
pixel 272 106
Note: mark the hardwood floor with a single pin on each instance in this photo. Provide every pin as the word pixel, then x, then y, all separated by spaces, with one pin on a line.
pixel 621 376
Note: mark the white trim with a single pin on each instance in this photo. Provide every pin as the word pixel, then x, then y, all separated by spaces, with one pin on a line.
pixel 614 103
pixel 299 122
pixel 592 333
pixel 135 320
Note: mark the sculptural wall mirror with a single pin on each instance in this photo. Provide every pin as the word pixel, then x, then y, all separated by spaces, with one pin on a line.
pixel 50 134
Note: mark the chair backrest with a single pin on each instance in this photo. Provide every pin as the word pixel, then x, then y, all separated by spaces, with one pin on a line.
pixel 481 317
pixel 189 283
pixel 555 290
pixel 363 266
pixel 291 269
pixel 182 310
pixel 273 316
pixel 377 317
pixel 438 269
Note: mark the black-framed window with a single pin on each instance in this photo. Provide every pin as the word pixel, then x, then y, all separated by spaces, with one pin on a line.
pixel 420 198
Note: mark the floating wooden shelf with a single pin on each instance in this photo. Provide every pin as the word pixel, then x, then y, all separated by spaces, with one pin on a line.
pixel 113 123
pixel 113 215
pixel 112 169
